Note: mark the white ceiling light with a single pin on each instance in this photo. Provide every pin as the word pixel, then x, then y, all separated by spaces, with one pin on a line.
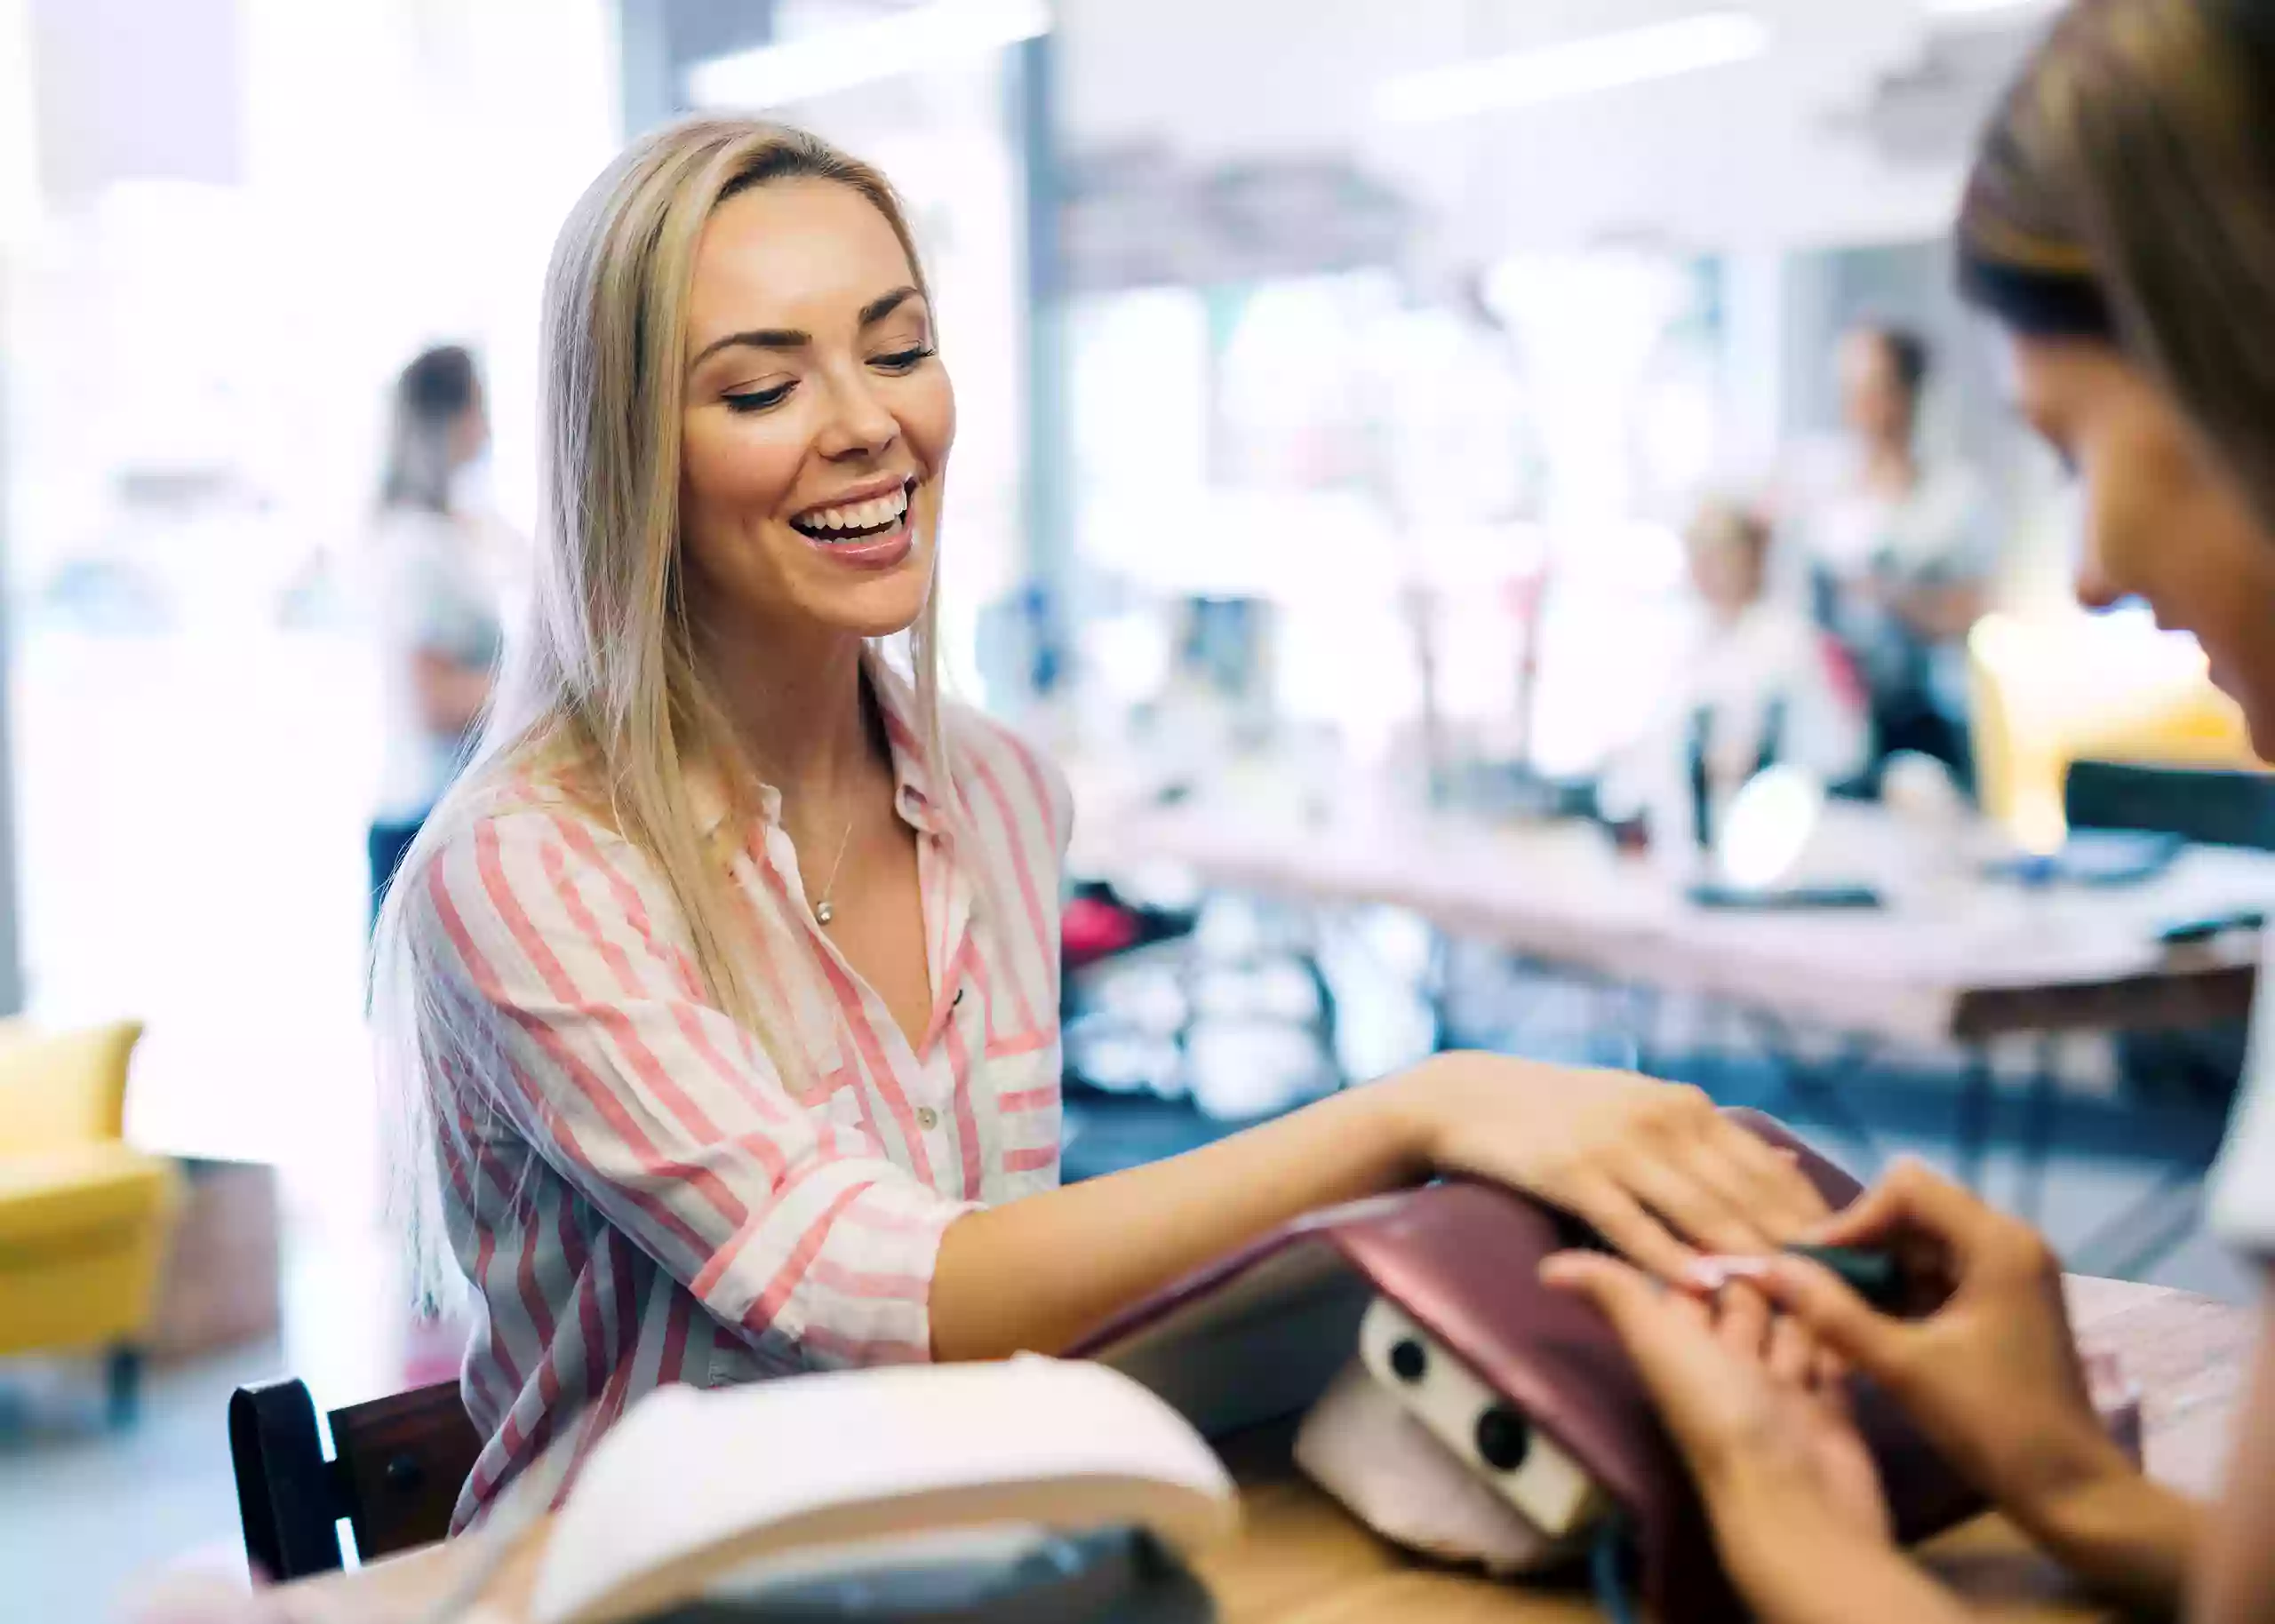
pixel 861 53
pixel 1574 67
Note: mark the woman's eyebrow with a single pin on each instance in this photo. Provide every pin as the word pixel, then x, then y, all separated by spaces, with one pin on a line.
pixel 791 338
pixel 757 339
pixel 877 309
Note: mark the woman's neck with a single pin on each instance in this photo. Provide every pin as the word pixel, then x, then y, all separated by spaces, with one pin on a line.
pixel 798 714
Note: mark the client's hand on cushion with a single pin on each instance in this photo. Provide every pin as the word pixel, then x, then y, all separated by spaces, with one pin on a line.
pixel 1653 1167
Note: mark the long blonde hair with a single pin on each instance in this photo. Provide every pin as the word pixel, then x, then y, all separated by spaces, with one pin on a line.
pixel 603 692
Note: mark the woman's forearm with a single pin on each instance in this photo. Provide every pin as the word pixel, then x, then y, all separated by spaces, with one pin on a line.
pixel 1795 1564
pixel 2126 1537
pixel 1037 1273
pixel 1800 1579
pixel 2233 1582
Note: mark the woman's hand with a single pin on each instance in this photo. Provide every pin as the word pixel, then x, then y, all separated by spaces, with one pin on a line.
pixel 1991 1370
pixel 1991 1373
pixel 1652 1167
pixel 1643 1162
pixel 1760 1407
pixel 1760 1411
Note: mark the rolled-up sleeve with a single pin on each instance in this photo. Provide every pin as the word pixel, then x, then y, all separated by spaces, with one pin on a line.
pixel 553 987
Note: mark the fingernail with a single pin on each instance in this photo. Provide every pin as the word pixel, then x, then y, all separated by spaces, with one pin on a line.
pixel 1565 1268
pixel 1714 1271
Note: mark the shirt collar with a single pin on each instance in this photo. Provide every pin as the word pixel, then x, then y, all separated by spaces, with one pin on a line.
pixel 914 792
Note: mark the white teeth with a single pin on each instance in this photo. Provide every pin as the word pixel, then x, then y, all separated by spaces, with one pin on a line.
pixel 868 515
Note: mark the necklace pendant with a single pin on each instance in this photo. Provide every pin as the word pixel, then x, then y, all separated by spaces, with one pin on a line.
pixel 823 912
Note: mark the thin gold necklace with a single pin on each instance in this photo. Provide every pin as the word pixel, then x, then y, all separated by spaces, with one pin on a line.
pixel 823 912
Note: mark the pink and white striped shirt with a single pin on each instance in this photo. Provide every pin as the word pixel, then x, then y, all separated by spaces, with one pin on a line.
pixel 633 1191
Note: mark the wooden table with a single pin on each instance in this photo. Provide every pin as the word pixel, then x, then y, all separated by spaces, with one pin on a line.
pixel 1952 957
pixel 1299 1560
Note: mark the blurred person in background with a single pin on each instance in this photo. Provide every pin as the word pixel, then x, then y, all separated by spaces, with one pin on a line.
pixel 1759 683
pixel 1900 548
pixel 436 594
pixel 723 990
pixel 2119 225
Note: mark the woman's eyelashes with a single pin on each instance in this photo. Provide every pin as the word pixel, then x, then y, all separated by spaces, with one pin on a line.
pixel 904 360
pixel 757 400
pixel 766 400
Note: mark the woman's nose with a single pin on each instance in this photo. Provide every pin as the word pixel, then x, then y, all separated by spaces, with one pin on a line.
pixel 2094 588
pixel 859 426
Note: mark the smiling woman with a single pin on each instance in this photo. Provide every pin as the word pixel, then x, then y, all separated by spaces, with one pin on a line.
pixel 722 992
pixel 846 366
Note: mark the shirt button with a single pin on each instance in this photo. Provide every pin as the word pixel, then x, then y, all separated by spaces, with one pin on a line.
pixel 927 1119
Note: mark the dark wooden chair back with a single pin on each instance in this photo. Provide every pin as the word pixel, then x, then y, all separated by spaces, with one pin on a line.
pixel 397 1466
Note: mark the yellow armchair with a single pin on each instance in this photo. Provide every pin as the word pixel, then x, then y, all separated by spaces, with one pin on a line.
pixel 84 1217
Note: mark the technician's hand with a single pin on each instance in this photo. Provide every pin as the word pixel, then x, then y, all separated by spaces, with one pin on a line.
pixel 1759 1408
pixel 1991 1371
pixel 1761 1411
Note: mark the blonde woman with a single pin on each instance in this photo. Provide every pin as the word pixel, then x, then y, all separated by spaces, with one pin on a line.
pixel 2120 226
pixel 726 982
